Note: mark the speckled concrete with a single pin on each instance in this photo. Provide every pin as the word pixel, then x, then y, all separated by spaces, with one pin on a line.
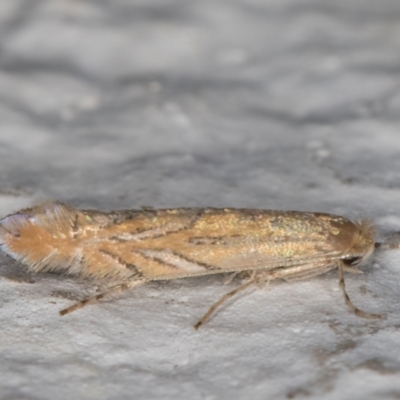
pixel 289 104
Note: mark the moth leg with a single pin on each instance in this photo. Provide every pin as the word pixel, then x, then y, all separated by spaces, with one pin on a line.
pixel 297 272
pixel 352 270
pixel 316 270
pixel 230 278
pixel 110 291
pixel 349 303
pixel 225 297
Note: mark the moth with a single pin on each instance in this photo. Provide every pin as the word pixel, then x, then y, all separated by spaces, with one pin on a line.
pixel 128 248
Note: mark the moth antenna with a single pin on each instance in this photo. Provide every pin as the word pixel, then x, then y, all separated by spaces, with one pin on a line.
pixel 347 300
pixel 387 246
pixel 225 297
pixel 94 299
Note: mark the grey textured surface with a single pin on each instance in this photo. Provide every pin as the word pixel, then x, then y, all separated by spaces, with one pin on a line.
pixel 289 104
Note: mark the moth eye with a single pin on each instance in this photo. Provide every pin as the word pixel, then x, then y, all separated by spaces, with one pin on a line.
pixel 353 260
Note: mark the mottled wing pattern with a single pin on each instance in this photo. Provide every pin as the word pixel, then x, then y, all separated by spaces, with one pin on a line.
pixel 167 244
pixel 172 243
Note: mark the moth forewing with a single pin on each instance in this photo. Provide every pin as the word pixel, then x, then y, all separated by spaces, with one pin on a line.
pixel 137 246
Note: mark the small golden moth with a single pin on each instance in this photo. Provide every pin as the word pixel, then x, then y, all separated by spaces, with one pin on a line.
pixel 128 248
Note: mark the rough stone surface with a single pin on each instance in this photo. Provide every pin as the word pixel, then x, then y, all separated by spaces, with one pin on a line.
pixel 284 104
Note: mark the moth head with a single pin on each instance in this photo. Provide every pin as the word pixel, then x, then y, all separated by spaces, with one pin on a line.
pixel 363 244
